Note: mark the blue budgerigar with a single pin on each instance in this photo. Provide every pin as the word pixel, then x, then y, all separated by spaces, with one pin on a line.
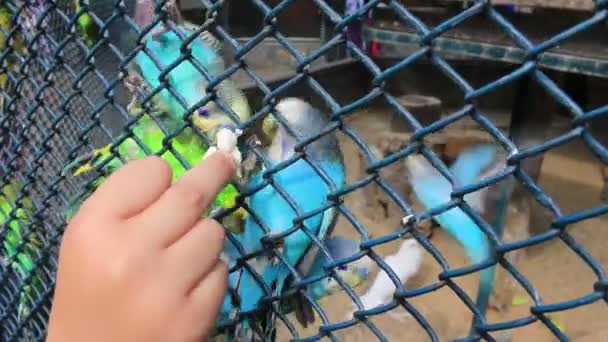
pixel 163 45
pixel 307 189
pixel 353 274
pixel 433 190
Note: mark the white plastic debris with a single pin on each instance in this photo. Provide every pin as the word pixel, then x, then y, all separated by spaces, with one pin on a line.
pixel 406 220
pixel 405 264
pixel 226 142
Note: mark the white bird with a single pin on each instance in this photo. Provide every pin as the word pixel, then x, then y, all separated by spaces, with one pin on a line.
pixel 405 264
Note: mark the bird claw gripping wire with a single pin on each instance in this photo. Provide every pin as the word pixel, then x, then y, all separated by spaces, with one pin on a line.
pixel 280 248
pixel 173 10
pixel 134 83
pixel 138 88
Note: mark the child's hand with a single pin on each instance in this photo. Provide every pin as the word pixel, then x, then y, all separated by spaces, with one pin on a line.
pixel 138 263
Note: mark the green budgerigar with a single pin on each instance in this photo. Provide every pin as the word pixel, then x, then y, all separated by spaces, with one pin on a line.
pixel 6 24
pixel 164 63
pixel 22 241
pixel 185 80
pixel 86 26
pixel 17 43
pixel 188 144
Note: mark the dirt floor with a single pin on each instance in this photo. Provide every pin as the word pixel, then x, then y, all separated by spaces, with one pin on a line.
pixel 571 176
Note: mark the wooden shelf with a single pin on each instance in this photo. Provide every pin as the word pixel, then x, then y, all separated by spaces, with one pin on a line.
pixel 480 38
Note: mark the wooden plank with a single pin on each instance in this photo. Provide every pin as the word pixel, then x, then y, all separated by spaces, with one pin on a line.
pixel 592 66
pixel 440 138
pixel 578 5
pixel 272 79
pixel 463 133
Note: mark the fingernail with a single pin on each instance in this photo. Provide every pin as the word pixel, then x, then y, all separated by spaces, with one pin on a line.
pixel 224 258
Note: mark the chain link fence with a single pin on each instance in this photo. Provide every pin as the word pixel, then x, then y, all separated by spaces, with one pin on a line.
pixel 64 95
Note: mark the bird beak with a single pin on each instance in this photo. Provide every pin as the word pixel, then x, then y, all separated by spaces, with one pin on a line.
pixel 204 124
pixel 269 126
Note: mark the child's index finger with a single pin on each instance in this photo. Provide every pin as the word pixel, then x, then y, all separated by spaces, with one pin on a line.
pixel 131 189
pixel 183 204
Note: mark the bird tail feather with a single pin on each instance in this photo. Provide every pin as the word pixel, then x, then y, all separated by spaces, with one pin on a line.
pixel 88 162
pixel 486 285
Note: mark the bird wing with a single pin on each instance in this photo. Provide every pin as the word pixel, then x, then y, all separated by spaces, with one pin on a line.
pixel 22 243
pixel 433 190
pixel 338 248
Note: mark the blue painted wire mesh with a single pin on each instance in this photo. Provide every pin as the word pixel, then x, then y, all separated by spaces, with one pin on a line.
pixel 66 100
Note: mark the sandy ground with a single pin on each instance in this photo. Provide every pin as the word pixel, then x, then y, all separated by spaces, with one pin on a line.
pixel 571 176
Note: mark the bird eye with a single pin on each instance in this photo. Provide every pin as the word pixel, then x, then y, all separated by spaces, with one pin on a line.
pixel 203 112
pixel 342 267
